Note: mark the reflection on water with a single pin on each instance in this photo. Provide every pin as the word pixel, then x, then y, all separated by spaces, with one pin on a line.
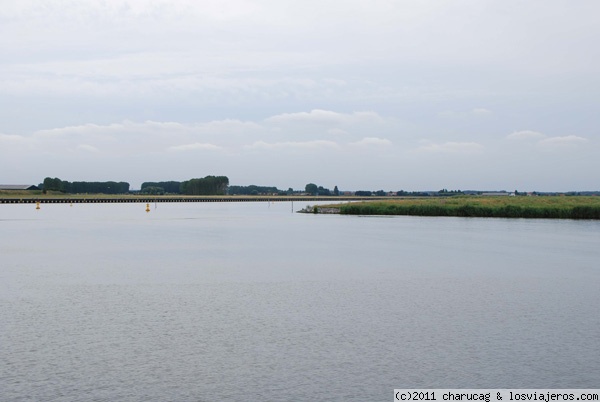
pixel 253 302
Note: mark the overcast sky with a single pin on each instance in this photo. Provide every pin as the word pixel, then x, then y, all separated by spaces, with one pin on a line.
pixel 365 95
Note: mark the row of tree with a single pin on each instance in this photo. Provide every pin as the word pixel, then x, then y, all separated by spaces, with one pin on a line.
pixel 363 193
pixel 255 190
pixel 209 185
pixel 80 187
pixel 161 187
pixel 313 189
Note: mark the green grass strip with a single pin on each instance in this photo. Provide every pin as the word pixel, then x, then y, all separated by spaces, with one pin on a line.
pixel 489 207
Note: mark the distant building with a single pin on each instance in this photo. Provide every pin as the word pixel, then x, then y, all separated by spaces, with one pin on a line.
pixel 18 187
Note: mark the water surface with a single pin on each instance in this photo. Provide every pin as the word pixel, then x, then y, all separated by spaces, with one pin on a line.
pixel 249 301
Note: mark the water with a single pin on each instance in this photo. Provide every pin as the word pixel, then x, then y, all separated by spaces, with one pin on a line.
pixel 248 301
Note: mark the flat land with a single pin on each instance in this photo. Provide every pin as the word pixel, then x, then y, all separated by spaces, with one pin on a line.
pixel 16 196
pixel 550 207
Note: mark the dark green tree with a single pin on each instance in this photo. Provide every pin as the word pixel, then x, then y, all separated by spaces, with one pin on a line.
pixel 153 190
pixel 252 190
pixel 311 188
pixel 210 185
pixel 76 187
pixel 323 191
pixel 52 184
pixel 171 187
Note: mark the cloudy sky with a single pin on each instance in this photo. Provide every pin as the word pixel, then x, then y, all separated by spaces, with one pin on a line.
pixel 378 94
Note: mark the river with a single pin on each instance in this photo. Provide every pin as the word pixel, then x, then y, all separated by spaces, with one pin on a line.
pixel 249 301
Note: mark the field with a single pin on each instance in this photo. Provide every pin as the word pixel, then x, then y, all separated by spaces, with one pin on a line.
pixel 30 196
pixel 38 195
pixel 559 207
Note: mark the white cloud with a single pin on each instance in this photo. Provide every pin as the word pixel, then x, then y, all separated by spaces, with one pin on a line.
pixel 372 141
pixel 194 147
pixel 337 132
pixel 324 117
pixel 88 148
pixel 149 131
pixel 565 141
pixel 481 112
pixel 8 139
pixel 85 129
pixel 451 147
pixel 130 138
pixel 16 146
pixel 453 114
pixel 544 142
pixel 316 144
pixel 525 134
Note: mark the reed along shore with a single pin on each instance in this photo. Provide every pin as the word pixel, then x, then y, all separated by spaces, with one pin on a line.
pixel 544 207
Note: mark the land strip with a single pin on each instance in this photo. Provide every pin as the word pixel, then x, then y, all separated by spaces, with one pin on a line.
pixel 550 207
pixel 104 198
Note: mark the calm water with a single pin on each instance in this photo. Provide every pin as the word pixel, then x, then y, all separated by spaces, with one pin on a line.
pixel 236 301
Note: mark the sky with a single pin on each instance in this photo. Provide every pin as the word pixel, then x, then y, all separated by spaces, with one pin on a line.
pixel 363 95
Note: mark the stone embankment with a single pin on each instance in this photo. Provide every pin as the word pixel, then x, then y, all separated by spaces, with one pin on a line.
pixel 319 210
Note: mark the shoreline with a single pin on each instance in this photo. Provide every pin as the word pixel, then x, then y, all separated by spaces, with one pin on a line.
pixel 106 198
pixel 551 207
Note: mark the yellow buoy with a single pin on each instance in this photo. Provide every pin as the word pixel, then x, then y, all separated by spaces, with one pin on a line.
pixel 37 205
pixel 147 207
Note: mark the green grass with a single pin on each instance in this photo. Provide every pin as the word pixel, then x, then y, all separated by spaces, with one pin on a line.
pixel 39 195
pixel 492 207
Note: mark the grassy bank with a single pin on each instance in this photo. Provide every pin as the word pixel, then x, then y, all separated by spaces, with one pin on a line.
pixel 492 207
pixel 37 195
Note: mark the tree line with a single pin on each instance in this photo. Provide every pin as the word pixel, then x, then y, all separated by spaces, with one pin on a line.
pixel 255 190
pixel 161 187
pixel 80 187
pixel 313 189
pixel 209 185
pixel 214 185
